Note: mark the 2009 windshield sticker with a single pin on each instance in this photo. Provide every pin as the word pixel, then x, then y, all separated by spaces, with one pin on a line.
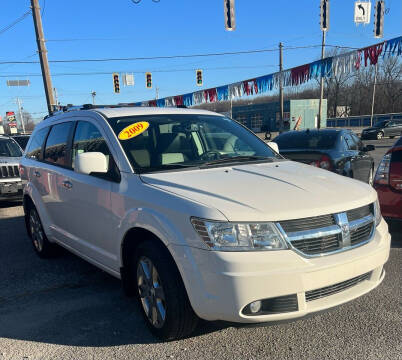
pixel 133 130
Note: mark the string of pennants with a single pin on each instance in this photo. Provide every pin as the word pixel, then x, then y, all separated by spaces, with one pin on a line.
pixel 331 66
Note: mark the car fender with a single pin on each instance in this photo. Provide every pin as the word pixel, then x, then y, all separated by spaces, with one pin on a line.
pixel 33 194
pixel 154 222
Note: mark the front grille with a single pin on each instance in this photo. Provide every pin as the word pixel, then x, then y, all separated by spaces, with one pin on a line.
pixel 319 245
pixel 359 213
pixel 361 234
pixel 336 288
pixel 9 171
pixel 315 222
pixel 328 234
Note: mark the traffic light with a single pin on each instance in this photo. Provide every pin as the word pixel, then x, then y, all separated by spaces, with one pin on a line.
pixel 324 15
pixel 199 77
pixel 116 83
pixel 229 10
pixel 148 79
pixel 379 19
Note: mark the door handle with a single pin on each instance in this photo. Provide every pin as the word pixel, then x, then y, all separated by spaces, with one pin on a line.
pixel 37 173
pixel 67 184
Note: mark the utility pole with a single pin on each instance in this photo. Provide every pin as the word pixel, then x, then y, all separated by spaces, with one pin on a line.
pixel 93 93
pixel 321 81
pixel 281 125
pixel 372 101
pixel 20 113
pixel 156 93
pixel 55 96
pixel 40 39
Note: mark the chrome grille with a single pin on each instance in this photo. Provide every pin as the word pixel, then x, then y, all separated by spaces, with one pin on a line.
pixel 318 245
pixel 361 234
pixel 336 288
pixel 328 234
pixel 9 171
pixel 308 223
pixel 359 213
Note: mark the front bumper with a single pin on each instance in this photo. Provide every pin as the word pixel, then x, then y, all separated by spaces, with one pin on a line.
pixel 221 284
pixel 11 189
pixel 369 135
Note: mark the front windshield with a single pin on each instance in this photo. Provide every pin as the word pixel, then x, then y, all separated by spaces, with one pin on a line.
pixel 9 148
pixel 177 141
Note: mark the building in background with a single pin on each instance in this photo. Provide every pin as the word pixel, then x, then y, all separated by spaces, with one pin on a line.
pixel 266 115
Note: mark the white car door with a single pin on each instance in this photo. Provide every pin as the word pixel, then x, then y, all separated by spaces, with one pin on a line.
pixel 88 213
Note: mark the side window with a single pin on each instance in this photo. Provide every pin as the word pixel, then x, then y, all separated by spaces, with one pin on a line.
pixel 35 147
pixel 351 145
pixel 56 145
pixel 357 141
pixel 88 138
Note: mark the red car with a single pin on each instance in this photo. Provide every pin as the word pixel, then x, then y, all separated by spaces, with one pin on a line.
pixel 388 182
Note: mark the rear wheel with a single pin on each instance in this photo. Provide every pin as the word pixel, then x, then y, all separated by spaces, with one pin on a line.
pixel 380 135
pixel 161 292
pixel 41 244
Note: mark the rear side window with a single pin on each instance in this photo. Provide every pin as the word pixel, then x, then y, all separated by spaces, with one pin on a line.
pixel 35 146
pixel 306 140
pixel 56 145
pixel 351 145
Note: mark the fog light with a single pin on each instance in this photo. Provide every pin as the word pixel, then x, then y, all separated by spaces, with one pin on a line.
pixel 255 306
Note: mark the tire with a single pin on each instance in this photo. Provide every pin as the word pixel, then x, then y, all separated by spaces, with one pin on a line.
pixel 380 135
pixel 43 248
pixel 391 137
pixel 161 293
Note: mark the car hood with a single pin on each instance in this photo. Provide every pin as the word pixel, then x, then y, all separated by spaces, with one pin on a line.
pixel 9 160
pixel 266 192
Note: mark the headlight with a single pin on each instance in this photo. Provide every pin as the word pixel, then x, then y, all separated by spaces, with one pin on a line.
pixel 226 236
pixel 377 213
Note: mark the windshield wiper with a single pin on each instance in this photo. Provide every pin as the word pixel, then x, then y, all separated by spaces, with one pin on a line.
pixel 166 167
pixel 235 159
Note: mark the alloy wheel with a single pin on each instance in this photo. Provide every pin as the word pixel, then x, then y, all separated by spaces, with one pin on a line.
pixel 380 135
pixel 151 292
pixel 36 231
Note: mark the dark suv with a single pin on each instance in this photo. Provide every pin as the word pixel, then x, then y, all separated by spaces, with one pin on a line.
pixel 383 128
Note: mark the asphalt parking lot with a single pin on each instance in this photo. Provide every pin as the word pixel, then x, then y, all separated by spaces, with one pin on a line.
pixel 65 308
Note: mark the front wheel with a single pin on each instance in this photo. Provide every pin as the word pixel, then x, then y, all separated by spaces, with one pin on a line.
pixel 161 292
pixel 380 135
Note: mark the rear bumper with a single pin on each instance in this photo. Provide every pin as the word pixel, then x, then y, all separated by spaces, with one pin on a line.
pixel 390 202
pixel 221 284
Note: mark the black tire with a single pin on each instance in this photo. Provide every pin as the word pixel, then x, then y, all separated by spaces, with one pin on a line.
pixel 391 137
pixel 40 243
pixel 180 319
pixel 380 135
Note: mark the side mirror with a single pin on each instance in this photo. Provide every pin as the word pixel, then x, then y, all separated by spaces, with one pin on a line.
pixel 273 146
pixel 369 148
pixel 91 162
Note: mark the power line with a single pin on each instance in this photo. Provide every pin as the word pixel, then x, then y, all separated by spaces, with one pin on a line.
pixel 15 22
pixel 138 71
pixel 174 56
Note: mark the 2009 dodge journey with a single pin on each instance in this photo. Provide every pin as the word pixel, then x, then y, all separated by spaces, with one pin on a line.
pixel 198 217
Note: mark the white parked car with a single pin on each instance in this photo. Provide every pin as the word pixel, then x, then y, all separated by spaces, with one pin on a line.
pixel 199 217
pixel 10 181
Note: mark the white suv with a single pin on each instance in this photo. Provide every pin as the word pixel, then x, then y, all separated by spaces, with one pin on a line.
pixel 199 217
